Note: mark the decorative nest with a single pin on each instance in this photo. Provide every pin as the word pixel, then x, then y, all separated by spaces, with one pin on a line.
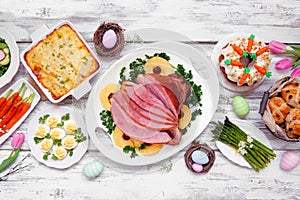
pixel 204 148
pixel 98 37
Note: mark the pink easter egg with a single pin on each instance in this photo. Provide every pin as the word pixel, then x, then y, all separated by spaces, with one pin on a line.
pixel 289 160
pixel 197 167
pixel 109 39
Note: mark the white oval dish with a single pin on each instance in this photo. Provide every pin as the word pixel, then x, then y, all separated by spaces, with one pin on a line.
pixel 104 143
pixel 78 152
pixel 251 130
pixel 15 60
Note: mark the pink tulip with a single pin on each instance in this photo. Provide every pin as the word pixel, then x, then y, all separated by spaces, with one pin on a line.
pixel 17 140
pixel 295 72
pixel 277 47
pixel 283 64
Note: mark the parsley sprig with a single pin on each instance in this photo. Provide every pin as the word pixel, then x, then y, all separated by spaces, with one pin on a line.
pixel 107 121
pixel 131 150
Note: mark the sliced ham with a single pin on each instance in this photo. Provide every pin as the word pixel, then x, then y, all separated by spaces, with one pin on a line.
pixel 175 135
pixel 134 130
pixel 146 100
pixel 173 82
pixel 139 116
pixel 166 96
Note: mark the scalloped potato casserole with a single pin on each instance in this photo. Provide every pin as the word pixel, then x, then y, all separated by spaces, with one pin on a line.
pixel 61 61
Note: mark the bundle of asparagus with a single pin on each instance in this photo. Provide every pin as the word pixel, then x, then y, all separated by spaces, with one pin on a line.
pixel 254 152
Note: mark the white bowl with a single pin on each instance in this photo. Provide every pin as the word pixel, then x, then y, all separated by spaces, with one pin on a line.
pixel 14 60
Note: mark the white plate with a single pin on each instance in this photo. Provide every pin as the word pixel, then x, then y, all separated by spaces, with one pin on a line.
pixel 41 34
pixel 251 130
pixel 78 152
pixel 14 61
pixel 209 100
pixel 29 91
pixel 215 60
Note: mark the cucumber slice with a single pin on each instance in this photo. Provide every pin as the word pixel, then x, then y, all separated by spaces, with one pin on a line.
pixel 3 46
pixel 5 61
pixel 6 50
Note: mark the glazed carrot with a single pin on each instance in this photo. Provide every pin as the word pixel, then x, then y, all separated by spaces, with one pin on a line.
pixel 262 50
pixel 20 113
pixel 250 44
pixel 16 94
pixel 236 63
pixel 237 49
pixel 13 110
pixel 8 104
pixel 4 98
pixel 243 79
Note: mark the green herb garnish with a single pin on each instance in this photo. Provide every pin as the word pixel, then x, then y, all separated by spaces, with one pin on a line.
pixel 57 142
pixel 136 67
pixel 122 75
pixel 70 152
pixel 142 146
pixel 65 117
pixel 107 121
pixel 54 157
pixel 37 140
pixel 79 137
pixel 128 149
pixel 46 155
pixel 43 119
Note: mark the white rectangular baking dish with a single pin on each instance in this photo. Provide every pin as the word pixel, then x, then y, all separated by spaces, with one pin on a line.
pixel 41 34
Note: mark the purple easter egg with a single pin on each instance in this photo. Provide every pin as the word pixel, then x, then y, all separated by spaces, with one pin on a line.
pixel 109 39
pixel 197 168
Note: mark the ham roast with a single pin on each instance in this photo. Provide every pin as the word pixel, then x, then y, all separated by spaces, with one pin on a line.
pixel 148 110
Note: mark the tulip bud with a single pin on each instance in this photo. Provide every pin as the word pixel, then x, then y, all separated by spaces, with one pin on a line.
pixel 17 140
pixel 295 72
pixel 283 64
pixel 277 47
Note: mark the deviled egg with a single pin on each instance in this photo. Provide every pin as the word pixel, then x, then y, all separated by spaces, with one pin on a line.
pixel 53 121
pixel 46 144
pixel 57 133
pixel 60 152
pixel 69 142
pixel 70 126
pixel 42 131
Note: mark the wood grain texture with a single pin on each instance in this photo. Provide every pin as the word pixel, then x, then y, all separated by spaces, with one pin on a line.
pixel 205 22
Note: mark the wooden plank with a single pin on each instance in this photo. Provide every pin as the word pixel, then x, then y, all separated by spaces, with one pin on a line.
pixel 200 20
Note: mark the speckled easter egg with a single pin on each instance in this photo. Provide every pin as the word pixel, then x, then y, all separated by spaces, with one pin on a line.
pixel 199 157
pixel 289 160
pixel 109 39
pixel 93 169
pixel 197 168
pixel 240 106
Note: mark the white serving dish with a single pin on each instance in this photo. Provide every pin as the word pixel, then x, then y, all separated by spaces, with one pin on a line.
pixel 14 60
pixel 78 152
pixel 41 34
pixel 35 101
pixel 179 54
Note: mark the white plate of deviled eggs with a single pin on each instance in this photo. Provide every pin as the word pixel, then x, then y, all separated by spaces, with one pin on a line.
pixel 57 137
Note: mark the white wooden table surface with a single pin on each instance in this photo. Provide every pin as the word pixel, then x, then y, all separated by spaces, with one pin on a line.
pixel 205 22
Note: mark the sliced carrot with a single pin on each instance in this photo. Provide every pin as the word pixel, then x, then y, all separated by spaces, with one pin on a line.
pixel 262 50
pixel 237 49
